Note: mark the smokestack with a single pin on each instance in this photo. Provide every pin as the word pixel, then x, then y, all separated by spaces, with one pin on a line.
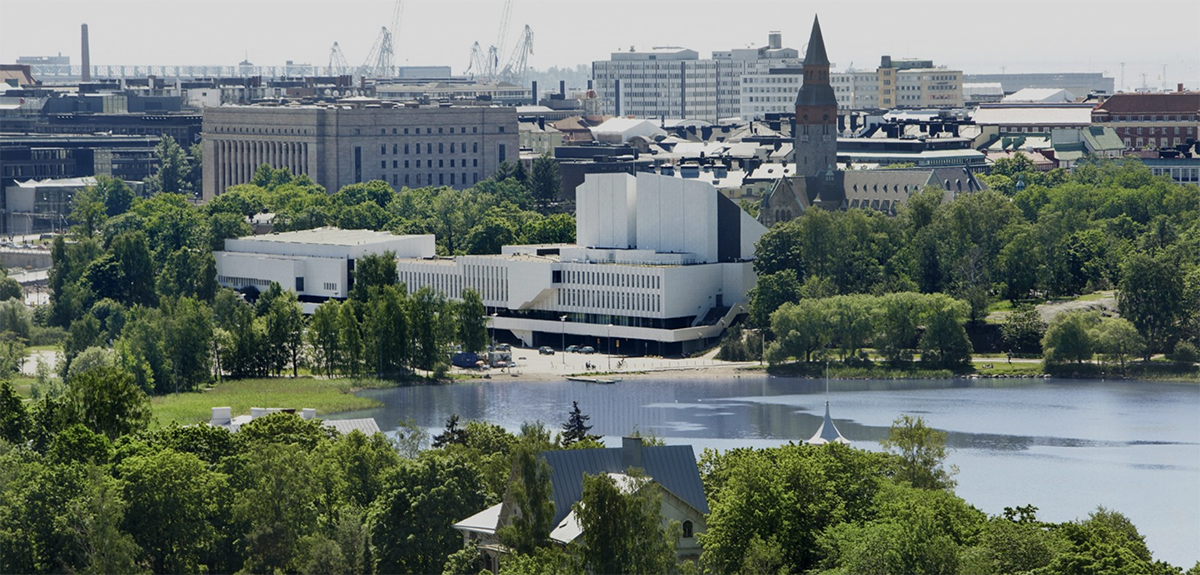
pixel 534 91
pixel 87 56
pixel 562 88
pixel 774 40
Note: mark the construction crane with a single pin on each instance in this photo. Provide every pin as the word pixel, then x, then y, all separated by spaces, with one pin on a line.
pixel 337 62
pixel 487 68
pixel 518 63
pixel 380 59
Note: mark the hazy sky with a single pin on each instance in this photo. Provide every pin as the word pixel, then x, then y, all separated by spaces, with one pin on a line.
pixel 978 36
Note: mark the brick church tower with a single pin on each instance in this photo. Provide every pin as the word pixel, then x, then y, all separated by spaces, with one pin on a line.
pixel 816 112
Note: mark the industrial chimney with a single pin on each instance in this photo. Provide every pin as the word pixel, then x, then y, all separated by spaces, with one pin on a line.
pixel 86 56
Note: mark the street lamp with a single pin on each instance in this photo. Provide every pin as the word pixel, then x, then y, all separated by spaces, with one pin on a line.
pixel 563 319
pixel 610 347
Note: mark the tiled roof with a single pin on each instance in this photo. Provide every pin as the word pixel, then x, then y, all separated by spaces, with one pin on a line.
pixel 1168 103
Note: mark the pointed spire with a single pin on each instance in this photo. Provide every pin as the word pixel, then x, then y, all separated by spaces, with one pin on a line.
pixel 816 47
pixel 828 432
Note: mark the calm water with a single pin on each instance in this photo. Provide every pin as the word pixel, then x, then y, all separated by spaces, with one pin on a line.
pixel 1065 447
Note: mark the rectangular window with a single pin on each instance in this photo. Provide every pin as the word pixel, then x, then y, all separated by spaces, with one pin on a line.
pixel 474 147
pixel 441 147
pixel 382 164
pixel 406 149
pixel 451 179
pixel 428 148
pixel 503 152
pixel 299 285
pixel 357 164
pixel 475 162
pixel 441 179
pixel 383 150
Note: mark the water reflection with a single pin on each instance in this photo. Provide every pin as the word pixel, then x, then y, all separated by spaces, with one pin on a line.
pixel 1065 446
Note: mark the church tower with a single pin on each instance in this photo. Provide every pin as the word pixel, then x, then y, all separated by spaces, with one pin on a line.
pixel 816 112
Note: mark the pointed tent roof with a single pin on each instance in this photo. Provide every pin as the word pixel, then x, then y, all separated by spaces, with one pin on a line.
pixel 816 47
pixel 828 432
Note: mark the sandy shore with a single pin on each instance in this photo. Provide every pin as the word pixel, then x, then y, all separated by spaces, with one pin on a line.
pixel 532 366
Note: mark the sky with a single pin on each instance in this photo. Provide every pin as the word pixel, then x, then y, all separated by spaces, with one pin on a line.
pixel 976 36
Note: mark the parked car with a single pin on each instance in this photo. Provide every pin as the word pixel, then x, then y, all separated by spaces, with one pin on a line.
pixel 504 347
pixel 572 349
pixel 546 350
pixel 587 349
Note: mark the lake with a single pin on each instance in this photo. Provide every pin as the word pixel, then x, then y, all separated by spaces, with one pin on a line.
pixel 1066 446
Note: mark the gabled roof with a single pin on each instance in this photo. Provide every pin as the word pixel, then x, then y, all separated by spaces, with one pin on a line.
pixel 673 467
pixel 1100 138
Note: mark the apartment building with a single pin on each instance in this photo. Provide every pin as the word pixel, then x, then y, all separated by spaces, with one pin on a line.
pixel 675 82
pixel 899 83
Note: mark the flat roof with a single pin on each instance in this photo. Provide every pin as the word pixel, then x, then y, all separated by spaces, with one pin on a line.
pixel 328 237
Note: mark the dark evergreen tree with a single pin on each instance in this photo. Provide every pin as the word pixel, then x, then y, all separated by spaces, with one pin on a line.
pixel 576 428
pixel 453 435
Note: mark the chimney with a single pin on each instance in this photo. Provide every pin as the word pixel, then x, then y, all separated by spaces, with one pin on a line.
pixel 631 452
pixel 533 91
pixel 86 56
pixel 562 88
pixel 1180 87
pixel 775 40
pixel 541 122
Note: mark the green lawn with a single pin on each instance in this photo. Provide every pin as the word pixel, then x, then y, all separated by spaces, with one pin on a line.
pixel 1000 366
pixel 325 395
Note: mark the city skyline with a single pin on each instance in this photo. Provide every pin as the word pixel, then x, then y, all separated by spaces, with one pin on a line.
pixel 436 34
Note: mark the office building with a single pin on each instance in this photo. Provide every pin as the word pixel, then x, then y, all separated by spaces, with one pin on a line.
pixel 358 140
pixel 899 83
pixel 674 82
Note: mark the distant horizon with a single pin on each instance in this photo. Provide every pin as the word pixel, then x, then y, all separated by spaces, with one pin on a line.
pixel 1022 36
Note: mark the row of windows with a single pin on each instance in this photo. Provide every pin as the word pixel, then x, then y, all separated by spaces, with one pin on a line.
pixel 616 301
pixel 455 148
pixel 260 130
pixel 1153 118
pixel 243 282
pixel 613 279
pixel 429 163
pixel 1155 132
pixel 1162 142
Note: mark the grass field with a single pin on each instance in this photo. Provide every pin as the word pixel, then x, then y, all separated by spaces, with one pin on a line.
pixel 325 395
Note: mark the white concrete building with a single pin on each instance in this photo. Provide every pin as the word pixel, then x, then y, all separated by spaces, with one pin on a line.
pixel 770 92
pixel 662 266
pixel 317 264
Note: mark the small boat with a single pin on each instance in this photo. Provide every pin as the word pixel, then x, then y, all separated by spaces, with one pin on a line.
pixel 593 380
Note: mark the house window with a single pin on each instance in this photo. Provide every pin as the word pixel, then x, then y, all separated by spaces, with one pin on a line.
pixel 687 530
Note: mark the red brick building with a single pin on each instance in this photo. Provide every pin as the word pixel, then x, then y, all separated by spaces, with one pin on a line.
pixel 1152 121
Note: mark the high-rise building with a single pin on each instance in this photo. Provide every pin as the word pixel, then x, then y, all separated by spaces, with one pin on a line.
pixel 674 82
